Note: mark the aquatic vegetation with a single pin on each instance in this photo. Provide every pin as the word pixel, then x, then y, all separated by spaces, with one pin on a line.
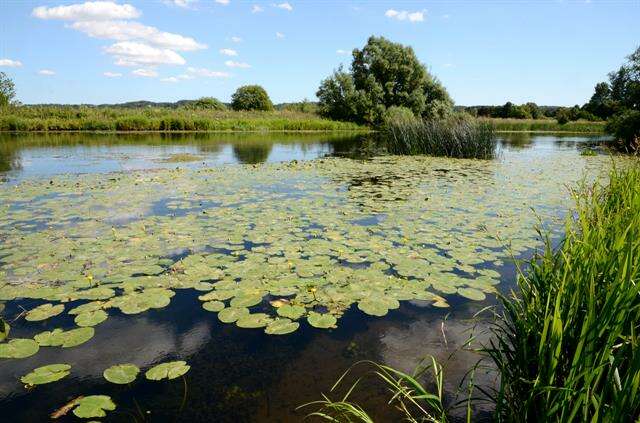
pixel 46 374
pixel 121 374
pixel 18 348
pixel 93 406
pixel 44 312
pixel 65 339
pixel 545 125
pixel 170 370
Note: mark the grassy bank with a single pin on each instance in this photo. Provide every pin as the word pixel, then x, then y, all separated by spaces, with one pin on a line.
pixel 79 118
pixel 567 345
pixel 545 125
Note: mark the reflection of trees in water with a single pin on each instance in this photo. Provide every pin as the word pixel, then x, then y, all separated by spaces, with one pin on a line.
pixel 516 141
pixel 9 156
pixel 252 152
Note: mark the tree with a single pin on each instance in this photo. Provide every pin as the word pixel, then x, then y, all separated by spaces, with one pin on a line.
pixel 207 103
pixel 251 97
pixel 383 74
pixel 7 90
pixel 601 104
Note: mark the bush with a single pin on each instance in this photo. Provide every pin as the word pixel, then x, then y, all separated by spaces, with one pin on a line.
pixel 383 74
pixel 626 128
pixel 206 103
pixel 251 97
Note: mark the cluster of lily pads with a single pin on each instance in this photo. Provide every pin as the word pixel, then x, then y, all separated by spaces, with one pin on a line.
pixel 271 245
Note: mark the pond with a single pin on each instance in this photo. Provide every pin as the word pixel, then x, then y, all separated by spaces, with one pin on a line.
pixel 269 263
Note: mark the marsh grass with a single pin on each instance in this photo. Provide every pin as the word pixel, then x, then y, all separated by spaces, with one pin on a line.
pixel 83 118
pixel 544 125
pixel 567 346
pixel 458 138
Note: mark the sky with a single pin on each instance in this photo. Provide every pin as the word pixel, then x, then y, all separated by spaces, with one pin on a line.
pixel 484 52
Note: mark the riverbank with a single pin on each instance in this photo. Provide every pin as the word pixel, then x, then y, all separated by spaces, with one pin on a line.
pixel 545 125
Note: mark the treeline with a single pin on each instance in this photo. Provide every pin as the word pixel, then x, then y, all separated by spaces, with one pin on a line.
pixel 531 111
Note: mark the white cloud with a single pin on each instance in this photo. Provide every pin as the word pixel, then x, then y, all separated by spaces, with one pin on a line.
pixel 112 74
pixel 147 73
pixel 256 9
pixel 46 72
pixel 228 52
pixel 88 11
pixel 342 52
pixel 181 3
pixel 403 15
pixel 236 39
pixel 10 63
pixel 127 31
pixel 170 79
pixel 279 35
pixel 223 2
pixel 207 73
pixel 286 6
pixel 130 53
pixel 232 64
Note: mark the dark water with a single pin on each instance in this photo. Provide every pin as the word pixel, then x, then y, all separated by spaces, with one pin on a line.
pixel 236 375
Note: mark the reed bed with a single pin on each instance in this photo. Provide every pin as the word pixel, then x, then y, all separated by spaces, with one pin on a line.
pixel 459 138
pixel 80 118
pixel 545 125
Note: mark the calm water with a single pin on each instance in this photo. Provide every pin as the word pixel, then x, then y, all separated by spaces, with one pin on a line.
pixel 236 374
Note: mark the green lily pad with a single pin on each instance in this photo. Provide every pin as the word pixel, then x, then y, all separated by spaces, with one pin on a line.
pixel 322 321
pixel 246 300
pixel 293 312
pixel 472 294
pixel 231 314
pixel 93 406
pixel 91 318
pixel 64 339
pixel 18 348
pixel 121 374
pixel 44 311
pixel 254 320
pixel 281 327
pixel 170 370
pixel 46 374
pixel 214 306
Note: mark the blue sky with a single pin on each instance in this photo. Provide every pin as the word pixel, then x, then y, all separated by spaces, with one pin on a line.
pixel 485 52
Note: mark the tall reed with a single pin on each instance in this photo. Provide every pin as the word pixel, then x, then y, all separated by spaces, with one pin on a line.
pixel 459 138
pixel 568 344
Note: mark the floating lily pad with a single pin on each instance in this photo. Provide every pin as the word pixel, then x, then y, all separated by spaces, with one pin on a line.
pixel 231 314
pixel 93 406
pixel 322 321
pixel 65 339
pixel 91 318
pixel 254 320
pixel 170 370
pixel 44 312
pixel 46 374
pixel 121 374
pixel 214 306
pixel 281 327
pixel 472 294
pixel 18 348
pixel 293 312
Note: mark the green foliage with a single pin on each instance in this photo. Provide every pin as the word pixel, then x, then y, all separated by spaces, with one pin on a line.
pixel 7 90
pixel 383 74
pixel 545 125
pixel 567 345
pixel 251 97
pixel 625 127
pixel 121 374
pixel 563 116
pixel 458 137
pixel 206 103
pixel 46 374
pixel 169 370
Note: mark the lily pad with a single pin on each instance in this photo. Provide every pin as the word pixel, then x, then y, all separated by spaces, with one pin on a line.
pixel 214 306
pixel 170 370
pixel 321 320
pixel 18 348
pixel 46 374
pixel 65 339
pixel 472 294
pixel 254 320
pixel 91 318
pixel 281 327
pixel 121 374
pixel 44 311
pixel 293 312
pixel 231 314
pixel 93 406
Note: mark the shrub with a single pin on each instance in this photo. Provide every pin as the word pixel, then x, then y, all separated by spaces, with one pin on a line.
pixel 206 103
pixel 251 97
pixel 626 128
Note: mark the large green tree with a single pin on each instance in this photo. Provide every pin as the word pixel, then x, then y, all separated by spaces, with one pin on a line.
pixel 383 74
pixel 7 90
pixel 251 97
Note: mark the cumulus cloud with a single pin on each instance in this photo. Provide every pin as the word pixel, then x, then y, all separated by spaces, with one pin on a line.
pixel 130 53
pixel 403 15
pixel 147 73
pixel 207 73
pixel 279 35
pixel 127 31
pixel 256 9
pixel 286 6
pixel 112 74
pixel 88 11
pixel 186 4
pixel 342 52
pixel 223 2
pixel 10 63
pixel 178 78
pixel 232 64
pixel 228 52
pixel 46 72
pixel 236 39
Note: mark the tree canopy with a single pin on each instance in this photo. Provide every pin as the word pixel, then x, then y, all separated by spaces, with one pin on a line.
pixel 7 90
pixel 383 74
pixel 251 97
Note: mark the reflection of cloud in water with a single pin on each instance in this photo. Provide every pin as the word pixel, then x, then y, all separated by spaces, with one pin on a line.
pixel 147 342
